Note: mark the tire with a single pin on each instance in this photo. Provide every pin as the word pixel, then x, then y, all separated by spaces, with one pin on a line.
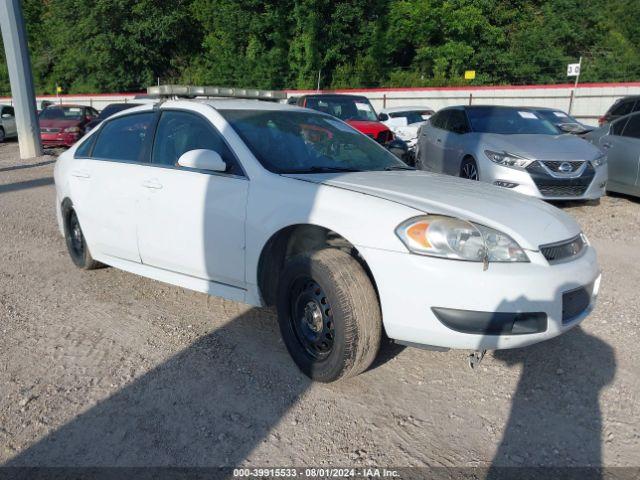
pixel 329 314
pixel 2 136
pixel 469 169
pixel 76 243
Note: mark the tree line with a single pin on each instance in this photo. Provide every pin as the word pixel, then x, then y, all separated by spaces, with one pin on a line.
pixel 125 45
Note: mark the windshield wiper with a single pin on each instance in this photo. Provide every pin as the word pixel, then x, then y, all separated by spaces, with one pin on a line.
pixel 398 167
pixel 324 170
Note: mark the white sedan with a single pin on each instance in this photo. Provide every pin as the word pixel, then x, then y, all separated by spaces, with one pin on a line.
pixel 273 204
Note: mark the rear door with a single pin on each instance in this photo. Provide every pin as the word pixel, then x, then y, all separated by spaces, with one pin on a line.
pixel 432 138
pixel 622 146
pixel 192 221
pixel 106 185
pixel 457 127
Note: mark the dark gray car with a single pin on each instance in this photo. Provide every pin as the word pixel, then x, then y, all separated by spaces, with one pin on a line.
pixel 621 141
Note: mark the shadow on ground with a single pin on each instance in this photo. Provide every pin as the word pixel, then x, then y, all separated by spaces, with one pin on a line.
pixel 555 417
pixel 210 405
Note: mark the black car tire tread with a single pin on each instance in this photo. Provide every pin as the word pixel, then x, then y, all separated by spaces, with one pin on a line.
pixel 357 316
pixel 85 261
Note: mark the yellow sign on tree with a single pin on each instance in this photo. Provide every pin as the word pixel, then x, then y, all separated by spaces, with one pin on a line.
pixel 469 74
pixel 58 89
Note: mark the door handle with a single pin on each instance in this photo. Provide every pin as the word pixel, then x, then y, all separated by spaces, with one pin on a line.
pixel 439 140
pixel 606 145
pixel 152 184
pixel 80 174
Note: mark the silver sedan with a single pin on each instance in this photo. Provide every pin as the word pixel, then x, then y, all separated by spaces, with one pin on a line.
pixel 621 140
pixel 513 148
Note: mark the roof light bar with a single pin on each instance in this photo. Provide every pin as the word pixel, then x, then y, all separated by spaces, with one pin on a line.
pixel 195 91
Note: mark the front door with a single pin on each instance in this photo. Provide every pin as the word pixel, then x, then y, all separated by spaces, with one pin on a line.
pixel 192 221
pixel 622 146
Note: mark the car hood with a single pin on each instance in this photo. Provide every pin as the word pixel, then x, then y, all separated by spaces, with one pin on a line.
pixel 529 221
pixel 368 127
pixel 542 147
pixel 407 132
pixel 59 123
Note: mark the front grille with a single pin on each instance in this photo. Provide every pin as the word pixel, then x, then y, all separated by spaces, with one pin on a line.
pixel 558 186
pixel 575 302
pixel 562 190
pixel 557 252
pixel 554 166
pixel 50 130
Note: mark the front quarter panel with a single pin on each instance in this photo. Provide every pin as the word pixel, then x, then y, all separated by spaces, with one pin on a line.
pixel 277 202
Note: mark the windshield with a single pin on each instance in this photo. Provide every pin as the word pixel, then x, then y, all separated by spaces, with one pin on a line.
pixel 305 142
pixel 412 117
pixel 345 108
pixel 556 116
pixel 62 113
pixel 509 121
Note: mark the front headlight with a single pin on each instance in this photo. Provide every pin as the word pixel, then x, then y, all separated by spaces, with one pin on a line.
pixel 508 159
pixel 600 161
pixel 71 130
pixel 448 237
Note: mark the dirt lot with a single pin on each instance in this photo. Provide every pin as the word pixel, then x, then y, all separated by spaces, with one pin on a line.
pixel 107 368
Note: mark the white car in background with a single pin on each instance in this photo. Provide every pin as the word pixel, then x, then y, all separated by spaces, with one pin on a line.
pixel 404 122
pixel 8 127
pixel 271 204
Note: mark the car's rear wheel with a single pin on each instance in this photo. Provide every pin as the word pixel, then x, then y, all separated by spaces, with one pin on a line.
pixel 76 243
pixel 469 169
pixel 2 136
pixel 329 314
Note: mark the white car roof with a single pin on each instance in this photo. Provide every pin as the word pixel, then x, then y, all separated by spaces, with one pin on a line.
pixel 406 109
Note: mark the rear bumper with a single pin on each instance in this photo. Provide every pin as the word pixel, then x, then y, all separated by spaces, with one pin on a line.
pixel 512 305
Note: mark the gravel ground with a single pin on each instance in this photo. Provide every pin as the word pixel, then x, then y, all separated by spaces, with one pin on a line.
pixel 107 368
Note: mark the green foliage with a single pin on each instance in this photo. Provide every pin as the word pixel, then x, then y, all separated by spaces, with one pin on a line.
pixel 125 45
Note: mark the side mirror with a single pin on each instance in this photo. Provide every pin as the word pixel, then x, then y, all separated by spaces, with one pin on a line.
pixel 203 160
pixel 382 117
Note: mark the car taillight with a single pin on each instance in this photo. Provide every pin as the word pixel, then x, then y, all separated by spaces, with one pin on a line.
pixel 602 121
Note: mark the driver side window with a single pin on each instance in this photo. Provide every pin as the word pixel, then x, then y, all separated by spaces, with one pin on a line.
pixel 180 132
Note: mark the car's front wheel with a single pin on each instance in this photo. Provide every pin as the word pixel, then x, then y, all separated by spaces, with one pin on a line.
pixel 76 243
pixel 329 314
pixel 469 169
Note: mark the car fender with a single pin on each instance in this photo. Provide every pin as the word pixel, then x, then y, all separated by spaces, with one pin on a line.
pixel 363 220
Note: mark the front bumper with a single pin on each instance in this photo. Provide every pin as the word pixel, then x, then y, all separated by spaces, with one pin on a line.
pixel 412 286
pixel 61 139
pixel 528 183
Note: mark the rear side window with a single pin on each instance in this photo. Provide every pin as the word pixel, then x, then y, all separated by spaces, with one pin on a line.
pixel 633 127
pixel 123 138
pixel 84 150
pixel 8 111
pixel 618 126
pixel 623 108
pixel 458 122
pixel 181 132
pixel 439 120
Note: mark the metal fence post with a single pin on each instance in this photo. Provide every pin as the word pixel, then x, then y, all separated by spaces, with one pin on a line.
pixel 470 98
pixel 17 53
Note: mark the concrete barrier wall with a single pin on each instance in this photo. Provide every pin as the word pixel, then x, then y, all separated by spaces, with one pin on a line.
pixel 589 103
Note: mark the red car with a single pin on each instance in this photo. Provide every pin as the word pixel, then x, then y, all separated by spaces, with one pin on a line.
pixel 63 125
pixel 353 109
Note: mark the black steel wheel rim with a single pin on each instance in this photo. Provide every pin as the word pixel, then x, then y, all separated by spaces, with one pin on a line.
pixel 312 318
pixel 76 242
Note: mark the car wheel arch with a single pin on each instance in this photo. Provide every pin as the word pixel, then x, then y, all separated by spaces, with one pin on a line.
pixel 293 240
